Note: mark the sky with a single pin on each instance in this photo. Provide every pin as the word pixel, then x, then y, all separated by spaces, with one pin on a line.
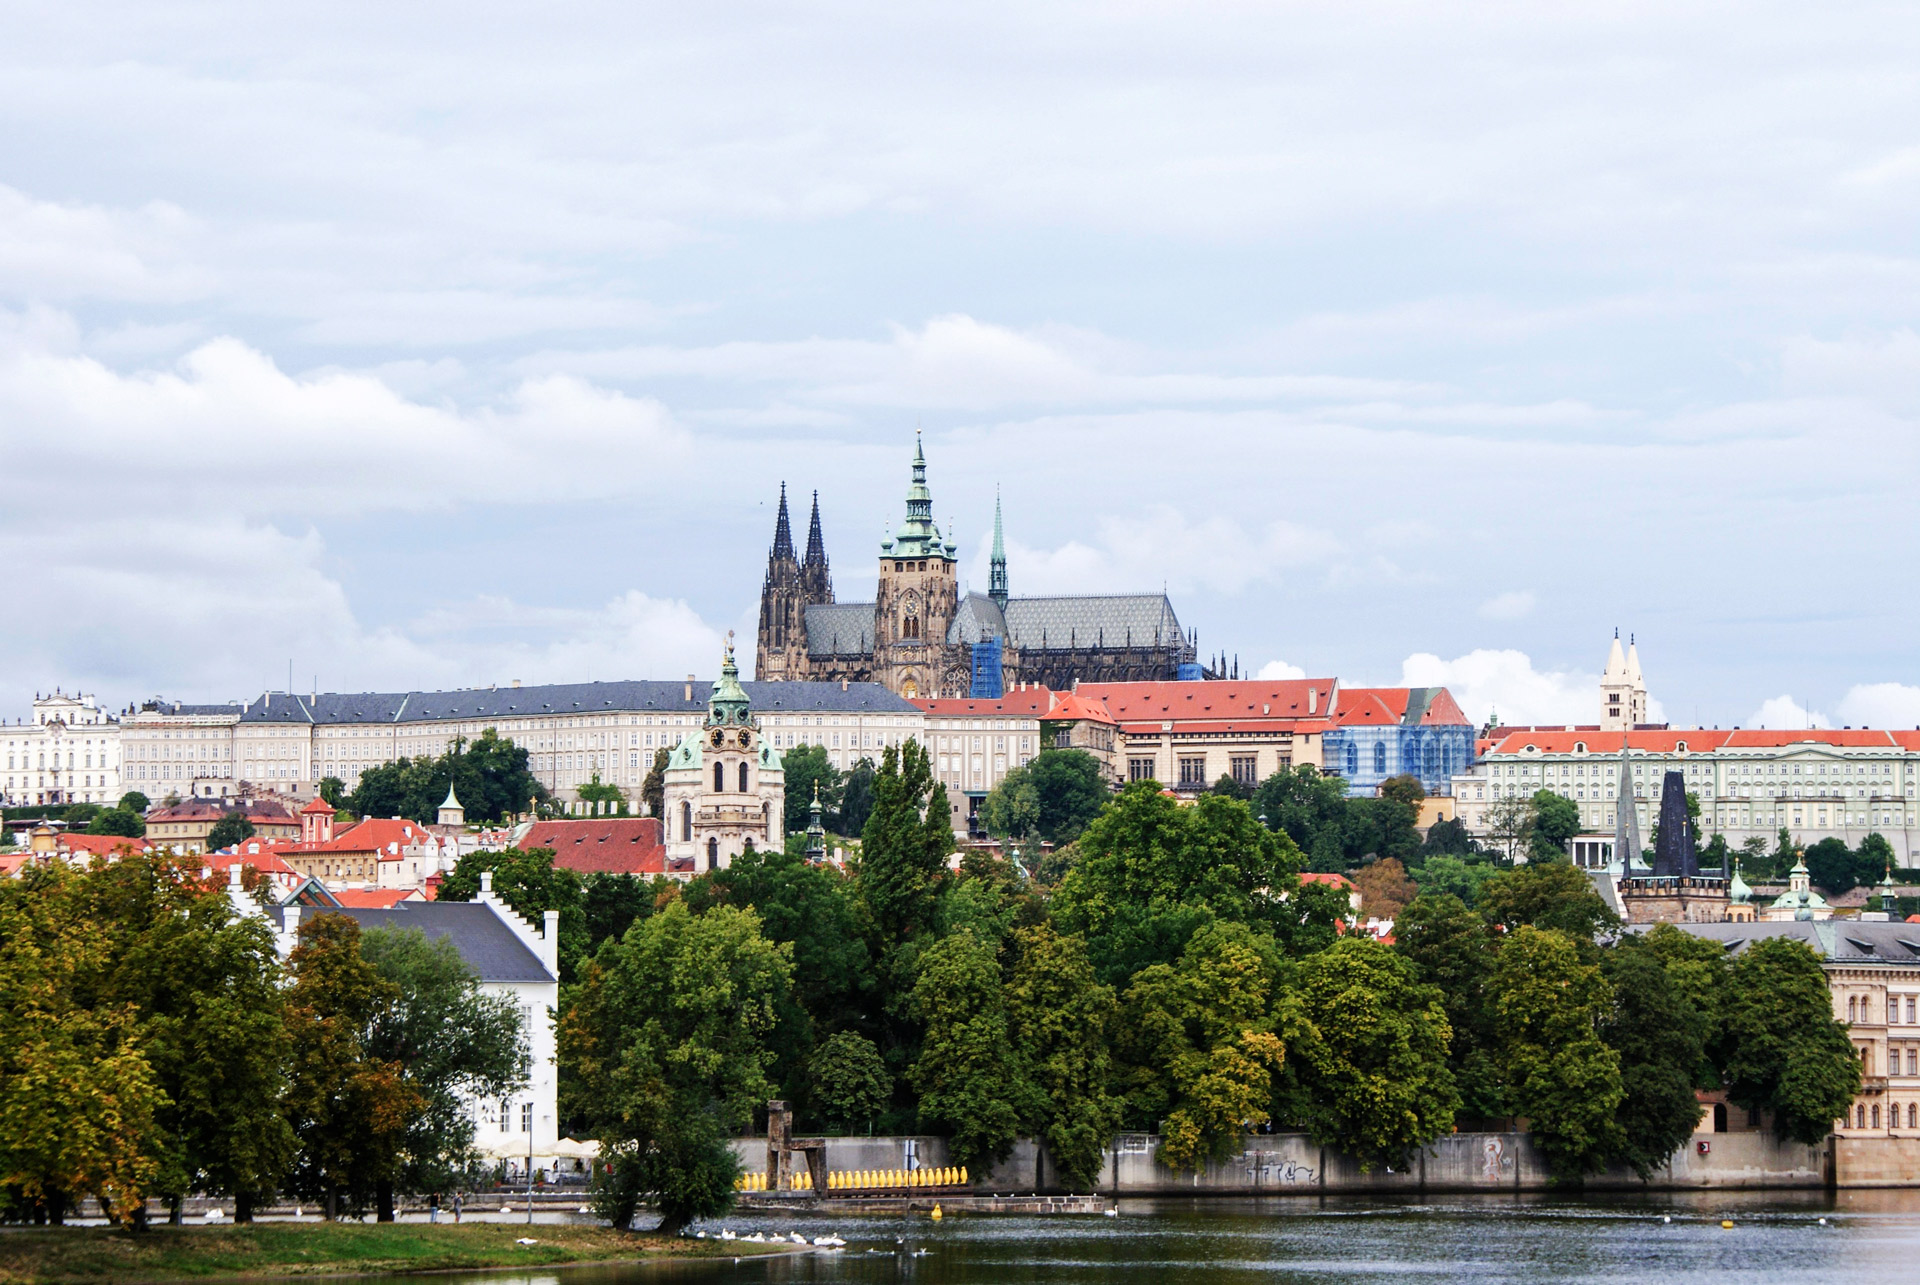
pixel 431 345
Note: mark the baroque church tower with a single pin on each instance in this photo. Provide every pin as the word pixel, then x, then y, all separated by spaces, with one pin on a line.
pixel 790 588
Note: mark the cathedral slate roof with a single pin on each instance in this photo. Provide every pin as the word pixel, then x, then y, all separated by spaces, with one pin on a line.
pixel 1093 620
pixel 840 629
pixel 977 619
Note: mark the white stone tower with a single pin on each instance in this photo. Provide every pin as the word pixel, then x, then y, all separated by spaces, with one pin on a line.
pixel 725 786
pixel 1623 693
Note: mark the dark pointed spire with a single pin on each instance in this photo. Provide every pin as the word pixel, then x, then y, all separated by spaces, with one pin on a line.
pixel 997 569
pixel 816 543
pixel 782 530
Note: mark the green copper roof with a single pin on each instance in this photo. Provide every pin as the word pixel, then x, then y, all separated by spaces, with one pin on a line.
pixel 918 537
pixel 729 703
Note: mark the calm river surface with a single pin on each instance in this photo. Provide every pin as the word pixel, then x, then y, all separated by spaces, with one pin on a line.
pixel 1867 1237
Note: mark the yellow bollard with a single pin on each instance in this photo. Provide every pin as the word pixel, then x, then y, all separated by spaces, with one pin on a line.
pixel 963 1175
pixel 937 1215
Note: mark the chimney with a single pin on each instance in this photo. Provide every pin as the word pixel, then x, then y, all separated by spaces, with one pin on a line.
pixel 1313 701
pixel 486 884
pixel 689 695
pixel 843 684
pixel 550 941
pixel 516 682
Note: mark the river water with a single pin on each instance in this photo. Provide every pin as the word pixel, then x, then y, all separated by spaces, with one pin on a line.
pixel 1673 1240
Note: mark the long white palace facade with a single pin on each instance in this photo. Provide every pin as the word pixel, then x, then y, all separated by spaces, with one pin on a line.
pixel 1819 783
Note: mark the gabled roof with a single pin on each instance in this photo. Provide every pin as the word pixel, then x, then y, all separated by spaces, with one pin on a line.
pixel 376 898
pixel 388 836
pixel 487 945
pixel 101 845
pixel 602 845
pixel 1075 708
pixel 977 619
pixel 840 629
pixel 261 856
pixel 258 811
pixel 1093 620
pixel 1405 706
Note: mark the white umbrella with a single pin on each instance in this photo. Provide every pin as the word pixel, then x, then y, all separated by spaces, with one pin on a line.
pixel 573 1149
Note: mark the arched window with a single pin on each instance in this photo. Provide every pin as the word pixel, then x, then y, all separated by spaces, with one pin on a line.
pixel 686 822
pixel 1876 1115
pixel 1353 760
pixel 766 821
pixel 719 778
pixel 1853 1009
pixel 743 778
pixel 1433 758
pixel 910 627
pixel 1860 1117
pixel 713 854
pixel 1913 1117
pixel 1446 759
pixel 1380 757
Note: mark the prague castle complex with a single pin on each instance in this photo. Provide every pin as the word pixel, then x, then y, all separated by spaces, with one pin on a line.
pixel 923 637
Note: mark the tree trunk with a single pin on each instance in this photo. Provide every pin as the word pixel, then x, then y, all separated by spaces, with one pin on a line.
pixel 243 1206
pixel 139 1212
pixel 385 1196
pixel 173 1211
pixel 57 1208
pixel 331 1205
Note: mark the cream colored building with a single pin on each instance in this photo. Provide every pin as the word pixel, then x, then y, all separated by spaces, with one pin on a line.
pixel 68 753
pixel 286 745
pixel 974 744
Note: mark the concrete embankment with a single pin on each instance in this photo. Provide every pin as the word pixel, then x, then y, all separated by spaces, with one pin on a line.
pixel 1291 1164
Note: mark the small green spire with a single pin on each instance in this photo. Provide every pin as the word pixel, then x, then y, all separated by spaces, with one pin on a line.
pixel 816 832
pixel 729 702
pixel 997 568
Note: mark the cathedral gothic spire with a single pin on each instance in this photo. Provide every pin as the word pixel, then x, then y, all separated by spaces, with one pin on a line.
pixel 997 569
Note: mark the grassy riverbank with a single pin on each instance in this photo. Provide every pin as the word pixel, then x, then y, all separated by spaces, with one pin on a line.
pixel 57 1257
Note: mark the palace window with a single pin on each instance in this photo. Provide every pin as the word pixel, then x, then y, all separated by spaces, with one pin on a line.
pixel 1193 771
pixel 1139 769
pixel 1245 769
pixel 713 854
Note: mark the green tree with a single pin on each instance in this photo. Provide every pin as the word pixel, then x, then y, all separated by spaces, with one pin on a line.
pixel 1404 789
pixel 77 1094
pixel 454 1044
pixel 1153 872
pixel 1552 895
pixel 1779 1048
pixel 350 1111
pixel 1660 1032
pixel 334 791
pixel 1785 853
pixel 1072 790
pixel 1062 1020
pixel 1011 809
pixel 530 884
pixel 1556 819
pixel 1546 1009
pixel 807 769
pixel 972 1083
pixel 1448 837
pixel 905 843
pixel 1384 887
pixel 134 801
pixel 601 799
pixel 118 821
pixel 1453 876
pixel 856 799
pixel 1874 859
pixel 851 1083
pixel 1368 1048
pixel 230 829
pixel 1830 865
pixel 1229 788
pixel 663 1050
pixel 653 790
pixel 1197 1044
pixel 489 775
pixel 206 986
pixel 1453 948
pixel 610 903
pixel 1310 807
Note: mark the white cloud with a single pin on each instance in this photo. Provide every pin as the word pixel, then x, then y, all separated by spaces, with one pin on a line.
pixel 1280 670
pixel 1784 712
pixel 1512 605
pixel 1487 682
pixel 1889 705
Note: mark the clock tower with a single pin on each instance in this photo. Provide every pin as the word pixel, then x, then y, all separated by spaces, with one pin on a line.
pixel 918 595
pixel 725 786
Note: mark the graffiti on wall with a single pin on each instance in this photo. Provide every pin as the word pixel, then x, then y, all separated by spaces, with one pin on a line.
pixel 1273 1166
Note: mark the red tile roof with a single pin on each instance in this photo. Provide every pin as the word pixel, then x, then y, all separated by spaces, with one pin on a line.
pixel 319 805
pixel 385 835
pixel 1030 703
pixel 100 845
pixel 1241 702
pixel 602 845
pixel 261 856
pixel 1696 739
pixel 1379 706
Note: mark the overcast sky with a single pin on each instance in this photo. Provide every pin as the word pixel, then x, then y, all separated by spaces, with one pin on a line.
pixel 432 345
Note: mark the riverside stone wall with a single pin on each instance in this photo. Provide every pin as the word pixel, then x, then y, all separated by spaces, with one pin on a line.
pixel 1290 1164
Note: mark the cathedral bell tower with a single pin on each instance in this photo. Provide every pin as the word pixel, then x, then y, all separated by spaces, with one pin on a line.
pixel 790 588
pixel 918 595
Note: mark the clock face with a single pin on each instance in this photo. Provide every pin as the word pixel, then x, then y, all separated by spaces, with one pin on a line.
pixel 719 738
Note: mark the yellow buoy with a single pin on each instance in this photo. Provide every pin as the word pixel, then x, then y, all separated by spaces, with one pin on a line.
pixel 937 1215
pixel 1727 1223
pixel 963 1175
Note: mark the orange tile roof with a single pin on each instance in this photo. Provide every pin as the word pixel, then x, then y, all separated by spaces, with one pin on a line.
pixel 376 898
pixel 1697 740
pixel 260 856
pixel 1074 707
pixel 375 834
pixel 101 845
